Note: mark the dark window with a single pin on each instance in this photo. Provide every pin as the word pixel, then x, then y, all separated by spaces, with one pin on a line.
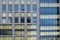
pixel 22 19
pixel 15 7
pixel 16 19
pixel 22 8
pixel 10 7
pixel 5 32
pixel 3 7
pixel 28 7
pixel 28 20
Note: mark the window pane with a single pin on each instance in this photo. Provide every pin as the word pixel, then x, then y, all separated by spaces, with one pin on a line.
pixel 4 14
pixel 34 14
pixel 22 14
pixel 10 7
pixel 22 8
pixel 34 1
pixel 10 14
pixel 18 26
pixel 28 1
pixel 48 1
pixel 32 38
pixel 16 14
pixel 4 1
pixel 15 7
pixel 3 7
pixel 5 32
pixel 48 22
pixel 31 26
pixel 34 7
pixel 28 20
pixel 16 1
pixel 10 19
pixel 28 14
pixel 22 1
pixel 16 19
pixel 19 38
pixel 4 20
pixel 34 19
pixel 10 1
pixel 48 10
pixel 22 19
pixel 28 7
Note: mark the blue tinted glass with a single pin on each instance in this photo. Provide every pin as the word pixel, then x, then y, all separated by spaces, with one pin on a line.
pixel 34 7
pixel 28 7
pixel 48 30
pixel 48 10
pixel 48 1
pixel 3 7
pixel 34 20
pixel 48 22
pixel 10 7
pixel 16 7
pixel 22 8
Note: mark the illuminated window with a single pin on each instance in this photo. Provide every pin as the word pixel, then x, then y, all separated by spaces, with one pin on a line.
pixel 10 14
pixel 10 1
pixel 28 14
pixel 28 1
pixel 4 14
pixel 22 1
pixel 4 20
pixel 16 1
pixel 16 14
pixel 34 14
pixel 22 14
pixel 10 19
pixel 34 1
pixel 4 1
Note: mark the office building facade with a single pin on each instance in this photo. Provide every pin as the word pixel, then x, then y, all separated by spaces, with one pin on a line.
pixel 29 19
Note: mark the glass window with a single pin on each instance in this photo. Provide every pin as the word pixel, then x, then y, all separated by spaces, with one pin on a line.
pixel 48 22
pixel 28 1
pixel 18 26
pixel 28 14
pixel 22 8
pixel 28 19
pixel 22 14
pixel 10 19
pixel 3 7
pixel 16 14
pixel 4 1
pixel 34 14
pixel 4 14
pixel 10 7
pixel 10 1
pixel 15 7
pixel 22 19
pixel 4 20
pixel 48 1
pixel 34 7
pixel 3 26
pixel 34 1
pixel 5 32
pixel 32 38
pixel 28 7
pixel 31 26
pixel 48 10
pixel 10 14
pixel 16 1
pixel 34 19
pixel 22 1
pixel 16 19
pixel 19 38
